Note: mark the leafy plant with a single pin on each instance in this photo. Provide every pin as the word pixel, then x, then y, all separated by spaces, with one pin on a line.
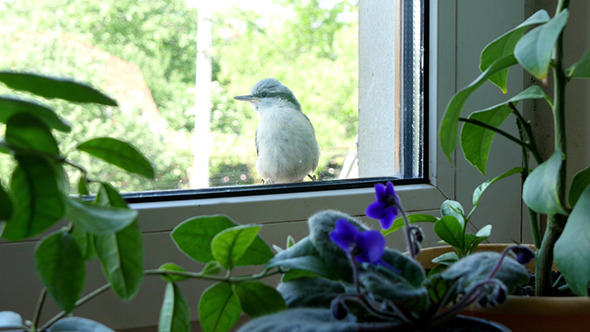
pixel 37 198
pixel 342 278
pixel 538 51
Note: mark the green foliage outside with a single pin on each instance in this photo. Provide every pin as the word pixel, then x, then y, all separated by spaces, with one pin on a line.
pixel 310 45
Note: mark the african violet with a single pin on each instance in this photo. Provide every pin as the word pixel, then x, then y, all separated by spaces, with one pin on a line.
pixel 342 277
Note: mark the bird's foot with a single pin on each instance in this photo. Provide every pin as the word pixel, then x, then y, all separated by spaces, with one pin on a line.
pixel 312 177
pixel 267 181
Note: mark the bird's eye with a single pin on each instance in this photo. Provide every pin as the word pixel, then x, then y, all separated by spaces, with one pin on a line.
pixel 264 94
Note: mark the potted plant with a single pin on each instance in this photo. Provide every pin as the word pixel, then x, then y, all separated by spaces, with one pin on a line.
pixel 545 191
pixel 38 198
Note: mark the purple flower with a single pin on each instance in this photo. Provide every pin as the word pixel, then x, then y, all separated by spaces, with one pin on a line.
pixel 386 207
pixel 364 246
pixel 523 254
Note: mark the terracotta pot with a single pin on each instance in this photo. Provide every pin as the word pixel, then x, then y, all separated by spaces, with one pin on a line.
pixel 521 313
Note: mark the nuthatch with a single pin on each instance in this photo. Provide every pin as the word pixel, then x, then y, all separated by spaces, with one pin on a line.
pixel 285 139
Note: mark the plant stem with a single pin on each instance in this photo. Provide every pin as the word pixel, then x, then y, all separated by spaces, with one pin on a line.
pixel 39 307
pixel 198 275
pixel 544 259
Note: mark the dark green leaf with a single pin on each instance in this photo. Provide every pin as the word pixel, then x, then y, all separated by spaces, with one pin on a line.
pixel 540 192
pixel 412 218
pixel 310 292
pixel 193 237
pixel 211 268
pixel 533 51
pixel 581 69
pixel 572 249
pixel 85 242
pixel 38 201
pixel 175 312
pixel 172 277
pixel 257 298
pixel 449 229
pixel 409 271
pixel 60 266
pixel 96 219
pixel 230 245
pixel 579 184
pixel 26 132
pixel 120 253
pixel 219 308
pixel 53 87
pixel 6 205
pixel 11 106
pixel 449 131
pixel 303 320
pixel 407 297
pixel 120 154
pixel 302 256
pixel 78 324
pixel 504 45
pixel 83 186
pixel 472 241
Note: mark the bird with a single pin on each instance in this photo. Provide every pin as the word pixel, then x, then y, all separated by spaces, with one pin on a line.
pixel 285 139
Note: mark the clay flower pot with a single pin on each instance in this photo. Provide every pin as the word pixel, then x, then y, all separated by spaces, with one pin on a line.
pixel 521 313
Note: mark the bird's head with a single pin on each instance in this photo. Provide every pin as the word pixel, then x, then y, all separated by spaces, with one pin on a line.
pixel 269 92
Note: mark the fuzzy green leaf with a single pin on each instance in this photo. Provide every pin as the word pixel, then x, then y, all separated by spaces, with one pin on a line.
pixel 581 69
pixel 11 106
pixel 257 298
pixel 175 312
pixel 120 154
pixel 26 132
pixel 53 87
pixel 504 45
pixel 229 245
pixel 38 201
pixel 579 184
pixel 11 320
pixel 60 266
pixel 540 192
pixel 572 249
pixel 302 256
pixel 78 324
pixel 449 131
pixel 219 308
pixel 533 51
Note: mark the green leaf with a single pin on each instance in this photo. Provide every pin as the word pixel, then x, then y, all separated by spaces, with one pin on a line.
pixel 534 50
pixel 60 266
pixel 38 201
pixel 53 87
pixel 83 186
pixel 85 242
pixel 472 241
pixel 193 237
pixel 11 106
pixel 453 208
pixel 540 192
pixel 26 132
pixel 449 131
pixel 219 308
pixel 478 192
pixel 6 205
pixel 120 154
pixel 580 69
pixel 398 223
pixel 172 277
pixel 504 45
pixel 572 249
pixel 211 268
pixel 96 219
pixel 175 312
pixel 579 184
pixel 446 259
pixel 302 256
pixel 230 245
pixel 257 298
pixel 450 230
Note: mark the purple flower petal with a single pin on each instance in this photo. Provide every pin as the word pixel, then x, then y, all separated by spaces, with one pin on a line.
pixel 387 218
pixel 389 190
pixel 375 210
pixel 380 191
pixel 370 246
pixel 344 235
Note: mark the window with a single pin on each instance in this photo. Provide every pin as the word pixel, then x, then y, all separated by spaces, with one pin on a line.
pixel 201 138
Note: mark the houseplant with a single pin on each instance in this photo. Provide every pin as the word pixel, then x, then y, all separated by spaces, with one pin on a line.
pixel 39 197
pixel 565 240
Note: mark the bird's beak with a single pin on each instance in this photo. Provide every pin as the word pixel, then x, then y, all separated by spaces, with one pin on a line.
pixel 248 98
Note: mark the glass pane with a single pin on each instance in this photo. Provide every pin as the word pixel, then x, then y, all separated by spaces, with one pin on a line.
pixel 175 66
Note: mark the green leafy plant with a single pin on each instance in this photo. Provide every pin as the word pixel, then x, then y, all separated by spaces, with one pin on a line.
pixel 539 51
pixel 37 199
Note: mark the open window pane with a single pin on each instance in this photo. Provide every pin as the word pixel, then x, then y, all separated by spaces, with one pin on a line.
pixel 175 67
